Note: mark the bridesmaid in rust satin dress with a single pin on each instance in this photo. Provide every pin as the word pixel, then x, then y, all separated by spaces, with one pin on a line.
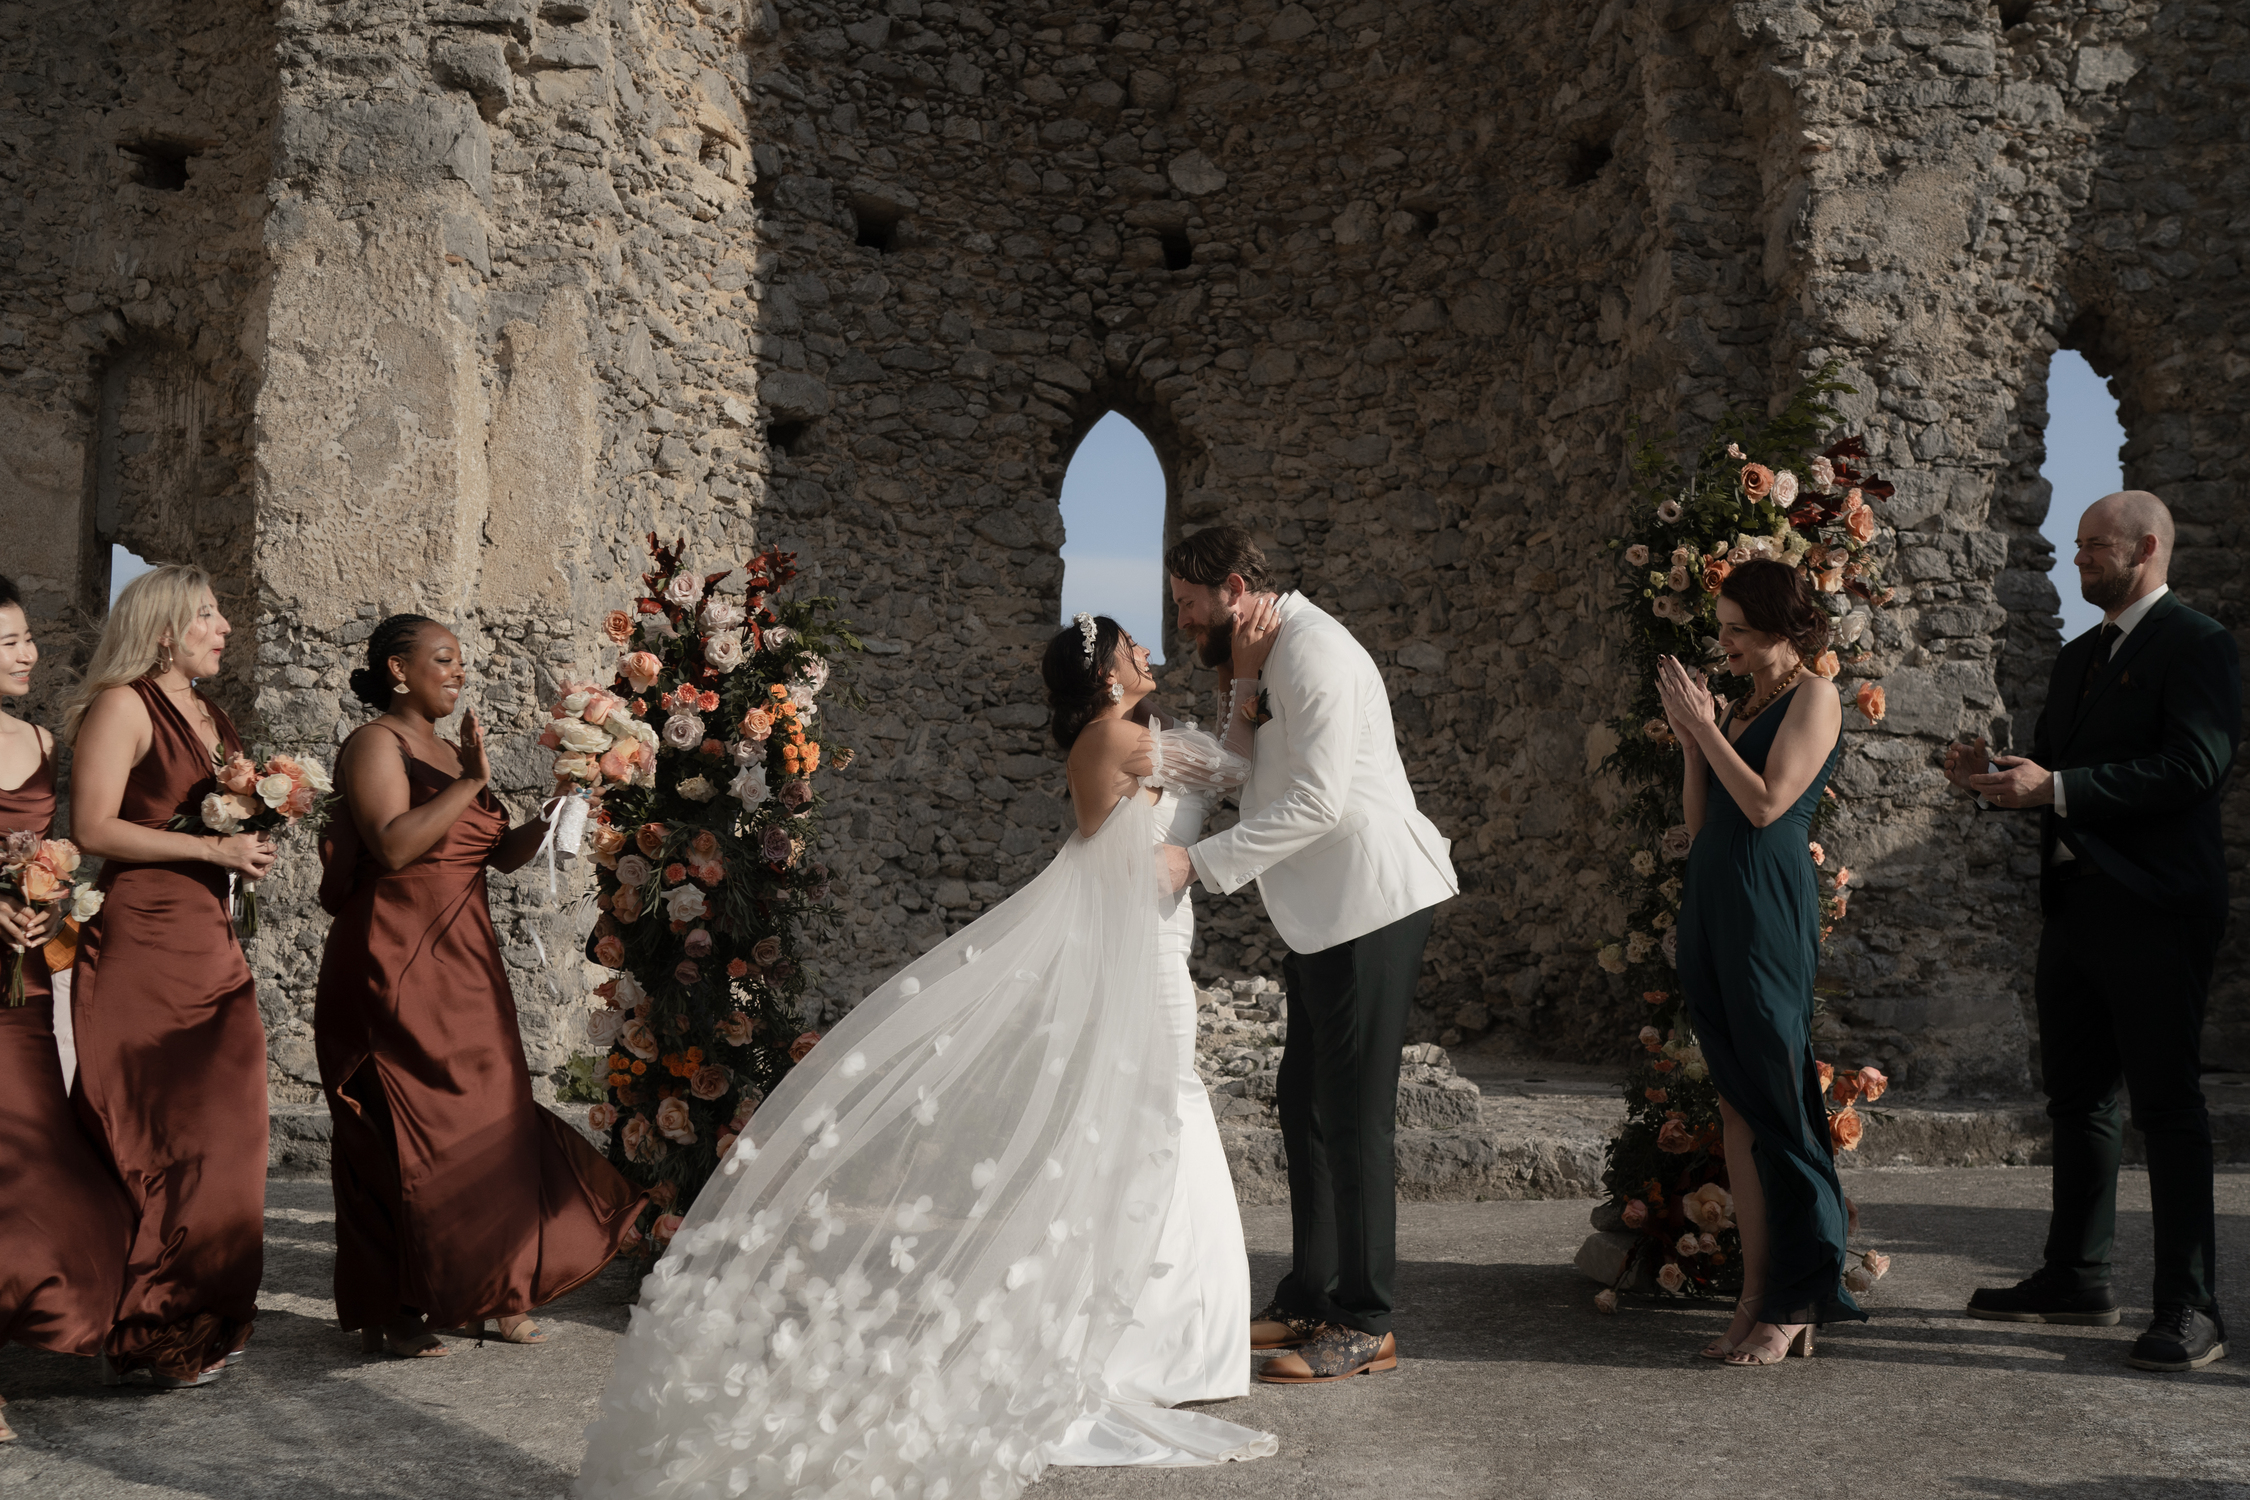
pixel 458 1198
pixel 64 1220
pixel 171 1050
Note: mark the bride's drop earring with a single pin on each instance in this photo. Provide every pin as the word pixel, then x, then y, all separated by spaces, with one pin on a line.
pixel 1116 692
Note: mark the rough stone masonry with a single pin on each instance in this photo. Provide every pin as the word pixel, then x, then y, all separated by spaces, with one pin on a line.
pixel 443 304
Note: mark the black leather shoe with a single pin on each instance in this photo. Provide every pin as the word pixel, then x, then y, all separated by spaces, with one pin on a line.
pixel 2180 1338
pixel 2035 1301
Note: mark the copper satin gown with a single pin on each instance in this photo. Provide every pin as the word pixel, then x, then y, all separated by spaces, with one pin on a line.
pixel 64 1221
pixel 457 1195
pixel 172 1072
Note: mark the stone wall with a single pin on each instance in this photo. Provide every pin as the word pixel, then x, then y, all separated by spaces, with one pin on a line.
pixel 460 300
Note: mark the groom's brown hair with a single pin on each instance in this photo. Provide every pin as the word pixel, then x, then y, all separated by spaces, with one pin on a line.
pixel 1206 557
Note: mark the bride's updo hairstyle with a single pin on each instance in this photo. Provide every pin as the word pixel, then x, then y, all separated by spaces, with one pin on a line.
pixel 1074 685
pixel 1775 598
pixel 396 636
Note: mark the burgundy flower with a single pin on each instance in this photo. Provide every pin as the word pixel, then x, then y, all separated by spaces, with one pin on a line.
pixel 794 793
pixel 687 972
pixel 699 943
pixel 776 846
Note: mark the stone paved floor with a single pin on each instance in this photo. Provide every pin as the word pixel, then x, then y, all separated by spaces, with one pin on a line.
pixel 1512 1386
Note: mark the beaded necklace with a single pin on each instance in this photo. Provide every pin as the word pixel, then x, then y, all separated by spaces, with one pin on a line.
pixel 1750 708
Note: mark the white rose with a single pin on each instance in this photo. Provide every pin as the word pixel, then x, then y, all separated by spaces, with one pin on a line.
pixel 218 814
pixel 1784 487
pixel 802 697
pixel 684 589
pixel 683 731
pixel 629 992
pixel 602 1026
pixel 639 729
pixel 316 776
pixel 748 752
pixel 722 613
pixel 814 671
pixel 275 789
pixel 697 789
pixel 575 704
pixel 1671 1278
pixel 684 903
pixel 723 650
pixel 749 785
pixel 778 637
pixel 633 870
pixel 581 738
pixel 84 903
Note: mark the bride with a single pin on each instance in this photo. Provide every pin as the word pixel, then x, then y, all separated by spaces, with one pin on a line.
pixel 987 1225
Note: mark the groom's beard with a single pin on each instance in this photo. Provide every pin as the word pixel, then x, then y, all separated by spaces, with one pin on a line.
pixel 1217 646
pixel 2108 592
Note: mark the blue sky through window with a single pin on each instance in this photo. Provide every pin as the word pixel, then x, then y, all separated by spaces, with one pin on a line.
pixel 1113 529
pixel 2083 436
pixel 124 567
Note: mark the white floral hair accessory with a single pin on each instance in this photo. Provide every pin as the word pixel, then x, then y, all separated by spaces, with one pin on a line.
pixel 1085 624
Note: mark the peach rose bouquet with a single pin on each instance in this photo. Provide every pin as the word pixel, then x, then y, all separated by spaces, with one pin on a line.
pixel 42 873
pixel 278 796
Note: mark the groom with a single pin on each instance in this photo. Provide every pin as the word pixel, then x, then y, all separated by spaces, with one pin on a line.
pixel 1351 874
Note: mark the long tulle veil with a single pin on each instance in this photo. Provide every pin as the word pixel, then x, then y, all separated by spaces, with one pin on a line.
pixel 935 1226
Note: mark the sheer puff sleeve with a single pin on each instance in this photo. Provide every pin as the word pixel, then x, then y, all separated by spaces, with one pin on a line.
pixel 1187 759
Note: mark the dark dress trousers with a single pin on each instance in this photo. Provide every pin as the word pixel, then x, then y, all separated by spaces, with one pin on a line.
pixel 2142 744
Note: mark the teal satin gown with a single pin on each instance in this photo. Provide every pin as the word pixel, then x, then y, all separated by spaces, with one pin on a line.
pixel 1749 946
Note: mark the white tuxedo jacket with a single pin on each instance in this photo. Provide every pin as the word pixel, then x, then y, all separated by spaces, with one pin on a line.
pixel 1329 829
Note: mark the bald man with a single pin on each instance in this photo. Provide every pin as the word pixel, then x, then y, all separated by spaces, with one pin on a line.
pixel 2128 765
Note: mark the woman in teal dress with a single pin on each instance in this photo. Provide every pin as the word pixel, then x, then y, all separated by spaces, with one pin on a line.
pixel 1749 944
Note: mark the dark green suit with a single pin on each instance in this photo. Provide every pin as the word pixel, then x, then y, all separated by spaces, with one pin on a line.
pixel 2142 745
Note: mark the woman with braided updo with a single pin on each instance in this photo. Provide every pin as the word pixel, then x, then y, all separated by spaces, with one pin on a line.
pixel 458 1198
pixel 1749 943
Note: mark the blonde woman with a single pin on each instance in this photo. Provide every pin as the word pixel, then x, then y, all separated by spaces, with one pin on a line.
pixel 171 1053
pixel 63 1222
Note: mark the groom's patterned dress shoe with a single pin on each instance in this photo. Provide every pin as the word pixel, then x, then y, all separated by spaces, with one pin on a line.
pixel 1335 1353
pixel 1273 1327
pixel 2180 1338
pixel 2035 1301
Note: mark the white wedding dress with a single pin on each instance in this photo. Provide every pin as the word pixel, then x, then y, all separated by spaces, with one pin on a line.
pixel 985 1226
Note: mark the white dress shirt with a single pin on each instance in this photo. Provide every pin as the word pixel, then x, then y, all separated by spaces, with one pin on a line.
pixel 2130 616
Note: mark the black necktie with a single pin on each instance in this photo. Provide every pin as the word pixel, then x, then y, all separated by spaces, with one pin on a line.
pixel 2103 644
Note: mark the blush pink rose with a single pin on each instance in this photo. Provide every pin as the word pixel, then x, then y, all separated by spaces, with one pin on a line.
pixel 673 1119
pixel 601 1116
pixel 710 1081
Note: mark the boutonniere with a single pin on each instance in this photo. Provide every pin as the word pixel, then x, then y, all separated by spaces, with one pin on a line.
pixel 1258 710
pixel 2125 679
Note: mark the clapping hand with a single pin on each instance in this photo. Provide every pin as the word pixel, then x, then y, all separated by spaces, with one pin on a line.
pixel 1965 761
pixel 1687 699
pixel 475 765
pixel 1254 630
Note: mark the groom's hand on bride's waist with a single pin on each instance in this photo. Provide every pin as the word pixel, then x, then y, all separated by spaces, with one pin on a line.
pixel 1174 870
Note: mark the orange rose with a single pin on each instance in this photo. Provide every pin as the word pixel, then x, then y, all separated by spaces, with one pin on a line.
pixel 704 846
pixel 1675 1138
pixel 285 765
pixel 1845 1089
pixel 614 766
pixel 640 669
pixel 801 1048
pixel 1757 481
pixel 757 724
pixel 39 884
pixel 299 801
pixel 736 969
pixel 609 953
pixel 1826 1073
pixel 1826 665
pixel 1860 523
pixel 618 626
pixel 1714 574
pixel 650 838
pixel 1845 1128
pixel 239 776
pixel 1872 1084
pixel 735 1028
pixel 710 1081
pixel 1870 701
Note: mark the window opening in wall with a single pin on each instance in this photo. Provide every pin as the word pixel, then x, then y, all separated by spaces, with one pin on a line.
pixel 2082 465
pixel 124 567
pixel 787 437
pixel 2014 12
pixel 876 224
pixel 158 164
pixel 1178 253
pixel 1113 529
pixel 1586 162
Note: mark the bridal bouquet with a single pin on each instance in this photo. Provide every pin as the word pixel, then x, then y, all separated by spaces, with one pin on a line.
pixel 38 872
pixel 278 795
pixel 706 815
pixel 1778 490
